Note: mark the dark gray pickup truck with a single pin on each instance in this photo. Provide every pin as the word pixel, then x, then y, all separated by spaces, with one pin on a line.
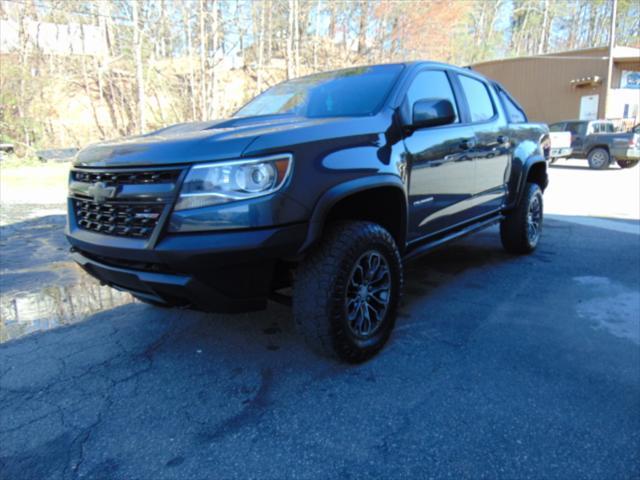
pixel 322 186
pixel 600 144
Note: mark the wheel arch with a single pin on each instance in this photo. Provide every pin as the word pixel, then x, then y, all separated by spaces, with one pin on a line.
pixel 603 146
pixel 533 170
pixel 352 200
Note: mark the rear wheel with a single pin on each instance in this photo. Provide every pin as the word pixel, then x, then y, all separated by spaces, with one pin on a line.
pixel 598 159
pixel 521 229
pixel 346 291
pixel 627 163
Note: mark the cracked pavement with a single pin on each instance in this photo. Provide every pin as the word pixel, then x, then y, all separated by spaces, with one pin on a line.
pixel 500 367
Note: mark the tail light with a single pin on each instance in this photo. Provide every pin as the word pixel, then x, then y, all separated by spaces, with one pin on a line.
pixel 545 146
pixel 633 141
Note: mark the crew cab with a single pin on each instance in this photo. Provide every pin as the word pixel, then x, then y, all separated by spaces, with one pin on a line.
pixel 599 143
pixel 322 186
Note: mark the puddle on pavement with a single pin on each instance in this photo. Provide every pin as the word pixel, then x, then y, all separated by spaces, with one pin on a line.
pixel 613 307
pixel 22 313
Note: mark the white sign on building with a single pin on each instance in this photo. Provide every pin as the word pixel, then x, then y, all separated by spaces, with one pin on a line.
pixel 54 38
pixel 630 79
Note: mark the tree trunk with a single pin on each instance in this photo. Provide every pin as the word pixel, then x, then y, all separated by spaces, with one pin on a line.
pixel 362 28
pixel 296 37
pixel 543 30
pixel 290 72
pixel 260 68
pixel 137 48
pixel 203 65
pixel 212 110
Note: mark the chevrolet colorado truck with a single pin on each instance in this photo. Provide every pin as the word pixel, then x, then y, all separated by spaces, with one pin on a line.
pixel 322 186
pixel 599 143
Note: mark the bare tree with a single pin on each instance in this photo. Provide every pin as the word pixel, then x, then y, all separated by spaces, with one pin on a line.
pixel 137 48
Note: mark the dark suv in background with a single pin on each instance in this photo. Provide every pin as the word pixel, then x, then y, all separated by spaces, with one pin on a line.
pixel 325 184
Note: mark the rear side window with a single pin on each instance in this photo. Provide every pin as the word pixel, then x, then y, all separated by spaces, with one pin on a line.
pixel 602 127
pixel 576 128
pixel 480 104
pixel 431 84
pixel 514 114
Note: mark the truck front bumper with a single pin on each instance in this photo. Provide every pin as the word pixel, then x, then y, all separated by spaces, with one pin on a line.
pixel 217 272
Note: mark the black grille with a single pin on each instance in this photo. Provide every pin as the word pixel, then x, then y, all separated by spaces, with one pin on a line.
pixel 126 220
pixel 127 178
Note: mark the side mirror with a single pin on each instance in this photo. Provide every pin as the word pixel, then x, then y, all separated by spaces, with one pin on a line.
pixel 431 112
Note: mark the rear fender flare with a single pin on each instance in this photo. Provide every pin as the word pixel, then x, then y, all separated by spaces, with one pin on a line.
pixel 518 184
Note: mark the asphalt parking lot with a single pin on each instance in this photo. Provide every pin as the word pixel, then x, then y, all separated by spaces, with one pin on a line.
pixel 500 366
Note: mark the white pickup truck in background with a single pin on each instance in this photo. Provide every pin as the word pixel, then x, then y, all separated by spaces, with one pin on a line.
pixel 560 144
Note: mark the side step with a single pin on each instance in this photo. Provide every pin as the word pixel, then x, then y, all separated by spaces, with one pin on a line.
pixel 431 245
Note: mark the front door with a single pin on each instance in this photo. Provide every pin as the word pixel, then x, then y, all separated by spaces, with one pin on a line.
pixel 441 169
pixel 578 132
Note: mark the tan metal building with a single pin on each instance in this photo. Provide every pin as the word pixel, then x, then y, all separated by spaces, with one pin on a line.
pixel 572 85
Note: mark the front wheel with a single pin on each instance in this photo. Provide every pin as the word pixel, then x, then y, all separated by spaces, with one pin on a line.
pixel 598 159
pixel 346 291
pixel 627 163
pixel 520 230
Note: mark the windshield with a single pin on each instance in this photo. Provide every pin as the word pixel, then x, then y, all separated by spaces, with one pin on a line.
pixel 352 92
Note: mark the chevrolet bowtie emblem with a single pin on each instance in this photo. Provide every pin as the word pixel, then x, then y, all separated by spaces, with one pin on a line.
pixel 101 192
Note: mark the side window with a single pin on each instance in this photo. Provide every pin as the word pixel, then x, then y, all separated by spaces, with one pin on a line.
pixel 556 127
pixel 514 114
pixel 576 128
pixel 478 98
pixel 431 84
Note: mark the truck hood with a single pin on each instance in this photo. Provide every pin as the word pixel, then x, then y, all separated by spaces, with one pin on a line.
pixel 220 140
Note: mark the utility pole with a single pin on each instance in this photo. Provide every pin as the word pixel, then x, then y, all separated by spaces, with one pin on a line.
pixel 612 44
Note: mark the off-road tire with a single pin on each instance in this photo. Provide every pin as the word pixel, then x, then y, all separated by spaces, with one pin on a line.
pixel 627 163
pixel 514 229
pixel 599 159
pixel 320 290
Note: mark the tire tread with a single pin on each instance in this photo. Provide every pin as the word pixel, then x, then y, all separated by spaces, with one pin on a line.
pixel 315 293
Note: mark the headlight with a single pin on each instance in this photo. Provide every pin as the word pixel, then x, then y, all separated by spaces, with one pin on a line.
pixel 217 183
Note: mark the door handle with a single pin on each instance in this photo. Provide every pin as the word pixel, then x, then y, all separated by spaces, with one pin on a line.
pixel 468 143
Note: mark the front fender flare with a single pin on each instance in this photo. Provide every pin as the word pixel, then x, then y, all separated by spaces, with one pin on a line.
pixel 343 190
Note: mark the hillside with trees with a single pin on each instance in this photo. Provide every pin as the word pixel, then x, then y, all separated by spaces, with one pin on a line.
pixel 73 72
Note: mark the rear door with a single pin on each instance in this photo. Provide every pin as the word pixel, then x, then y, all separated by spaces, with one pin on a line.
pixel 492 153
pixel 441 176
